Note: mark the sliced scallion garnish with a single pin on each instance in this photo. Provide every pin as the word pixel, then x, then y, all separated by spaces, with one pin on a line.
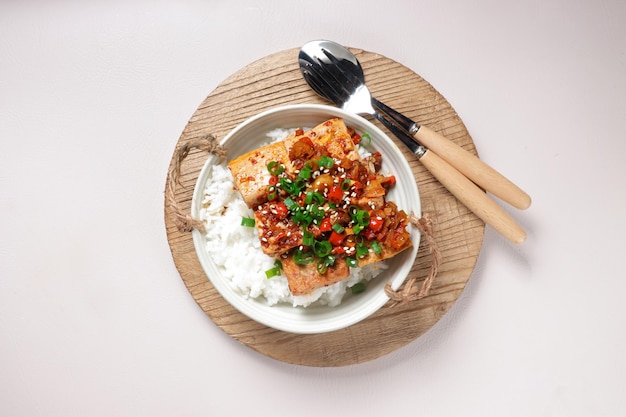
pixel 366 139
pixel 326 161
pixel 275 168
pixel 322 248
pixel 361 251
pixel 291 204
pixel 305 173
pixel 307 238
pixel 357 288
pixel 247 222
pixel 376 247
pixel 272 272
pixel 303 258
pixel 313 197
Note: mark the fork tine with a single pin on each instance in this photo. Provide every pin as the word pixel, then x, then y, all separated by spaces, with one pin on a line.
pixel 340 72
pixel 333 88
pixel 322 88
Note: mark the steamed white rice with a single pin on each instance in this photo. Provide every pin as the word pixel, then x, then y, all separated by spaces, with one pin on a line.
pixel 236 249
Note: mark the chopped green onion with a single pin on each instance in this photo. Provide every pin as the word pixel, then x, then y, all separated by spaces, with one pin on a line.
pixel 305 172
pixel 326 161
pixel 376 247
pixel 272 192
pixel 275 168
pixel 361 217
pixel 324 262
pixel 313 197
pixel 366 139
pixel 317 213
pixel 352 262
pixel 357 288
pixel 301 217
pixel 303 258
pixel 307 238
pixel 358 228
pixel 338 228
pixel 361 251
pixel 321 266
pixel 278 264
pixel 291 204
pixel 247 222
pixel 322 248
pixel 299 184
pixel 272 272
pixel 346 184
pixel 288 185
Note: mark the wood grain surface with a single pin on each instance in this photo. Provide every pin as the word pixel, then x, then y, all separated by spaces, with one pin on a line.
pixel 274 81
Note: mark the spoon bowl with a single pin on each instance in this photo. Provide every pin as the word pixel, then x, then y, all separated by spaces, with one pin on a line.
pixel 335 74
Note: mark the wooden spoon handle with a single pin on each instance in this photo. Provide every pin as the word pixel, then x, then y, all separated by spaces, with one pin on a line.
pixel 473 197
pixel 473 168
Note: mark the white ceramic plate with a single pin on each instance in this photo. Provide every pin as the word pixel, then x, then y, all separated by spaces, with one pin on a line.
pixel 314 319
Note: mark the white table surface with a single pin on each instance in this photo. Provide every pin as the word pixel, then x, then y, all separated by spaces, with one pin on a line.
pixel 94 317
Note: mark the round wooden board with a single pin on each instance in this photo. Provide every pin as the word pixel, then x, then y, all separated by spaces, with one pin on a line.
pixel 274 81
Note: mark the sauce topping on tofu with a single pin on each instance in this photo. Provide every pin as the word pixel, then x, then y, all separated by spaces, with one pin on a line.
pixel 319 208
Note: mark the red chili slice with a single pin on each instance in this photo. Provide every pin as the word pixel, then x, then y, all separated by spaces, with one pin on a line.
pixel 325 225
pixel 376 223
pixel 335 238
pixel 335 195
pixel 281 210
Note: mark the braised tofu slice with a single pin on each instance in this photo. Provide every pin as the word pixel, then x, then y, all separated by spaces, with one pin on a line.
pixel 332 135
pixel 251 174
pixel 335 137
pixel 304 279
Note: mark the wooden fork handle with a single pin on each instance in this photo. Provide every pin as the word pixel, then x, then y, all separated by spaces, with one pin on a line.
pixel 473 168
pixel 473 197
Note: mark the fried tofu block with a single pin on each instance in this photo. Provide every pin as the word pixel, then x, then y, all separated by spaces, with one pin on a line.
pixel 332 135
pixel 250 170
pixel 251 174
pixel 303 279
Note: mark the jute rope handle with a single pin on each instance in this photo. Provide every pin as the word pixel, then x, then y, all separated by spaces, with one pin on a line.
pixel 185 223
pixel 408 292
